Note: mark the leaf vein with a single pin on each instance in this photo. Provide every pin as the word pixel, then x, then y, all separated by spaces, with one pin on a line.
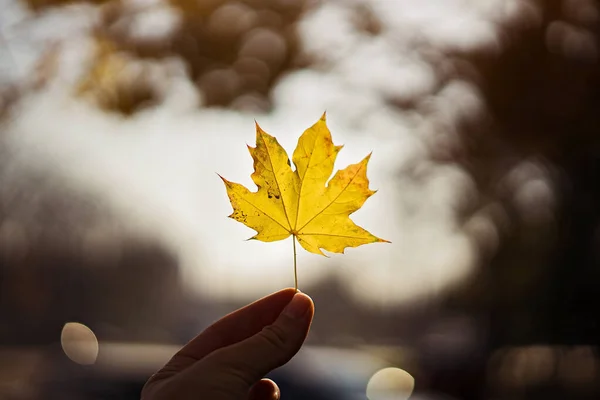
pixel 331 234
pixel 302 181
pixel 332 201
pixel 278 187
pixel 274 220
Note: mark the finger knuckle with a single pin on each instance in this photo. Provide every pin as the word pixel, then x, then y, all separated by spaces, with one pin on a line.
pixel 276 337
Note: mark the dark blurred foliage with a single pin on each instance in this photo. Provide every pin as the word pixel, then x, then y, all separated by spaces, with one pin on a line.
pixel 234 51
pixel 542 93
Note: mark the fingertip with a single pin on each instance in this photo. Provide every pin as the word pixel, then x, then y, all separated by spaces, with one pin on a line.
pixel 299 307
pixel 290 291
pixel 284 295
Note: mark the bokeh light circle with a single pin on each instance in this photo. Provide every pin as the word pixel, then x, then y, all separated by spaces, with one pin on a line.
pixel 390 384
pixel 79 343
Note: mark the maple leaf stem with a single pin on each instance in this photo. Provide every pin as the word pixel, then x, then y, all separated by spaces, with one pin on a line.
pixel 295 267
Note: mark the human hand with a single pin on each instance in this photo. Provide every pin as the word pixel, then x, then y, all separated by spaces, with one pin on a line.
pixel 230 358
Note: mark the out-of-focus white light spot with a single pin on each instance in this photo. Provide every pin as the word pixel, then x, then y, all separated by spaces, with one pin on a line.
pixel 79 343
pixel 390 384
pixel 155 23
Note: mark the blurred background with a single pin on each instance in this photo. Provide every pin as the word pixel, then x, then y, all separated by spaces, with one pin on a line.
pixel 484 121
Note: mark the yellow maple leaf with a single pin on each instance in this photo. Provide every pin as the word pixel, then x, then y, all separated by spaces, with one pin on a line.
pixel 301 203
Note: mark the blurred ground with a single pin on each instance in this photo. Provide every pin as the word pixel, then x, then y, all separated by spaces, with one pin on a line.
pixel 483 121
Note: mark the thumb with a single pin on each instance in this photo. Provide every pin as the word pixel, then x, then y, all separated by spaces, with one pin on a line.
pixel 254 357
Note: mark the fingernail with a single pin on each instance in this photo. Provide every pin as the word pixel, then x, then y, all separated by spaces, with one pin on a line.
pixel 298 307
